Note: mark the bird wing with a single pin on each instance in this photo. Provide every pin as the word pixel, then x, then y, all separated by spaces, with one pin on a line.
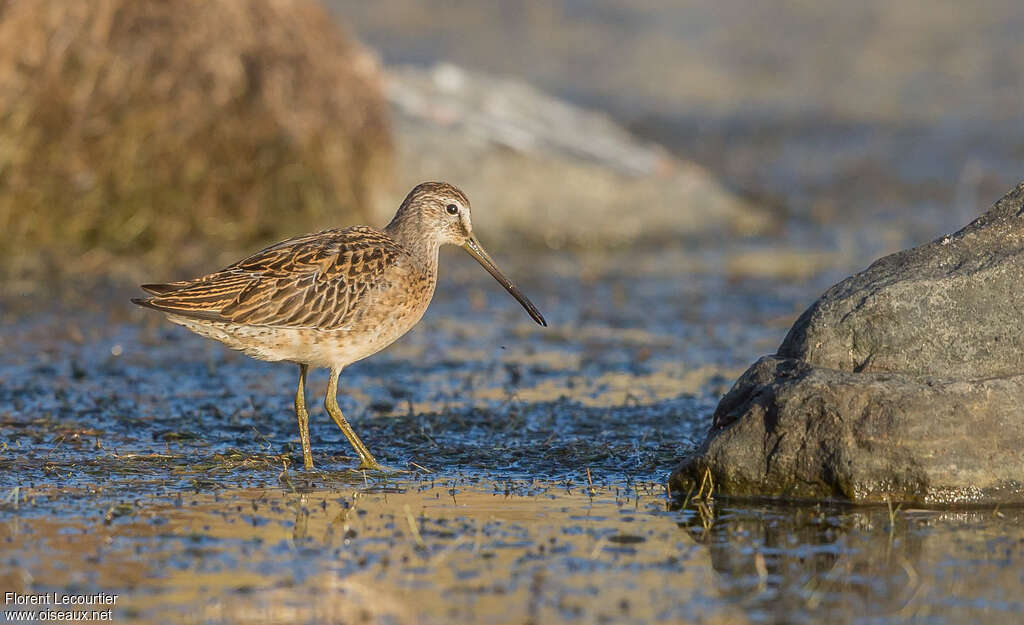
pixel 312 281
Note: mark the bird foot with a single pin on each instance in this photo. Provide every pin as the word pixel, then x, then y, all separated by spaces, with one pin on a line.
pixel 371 465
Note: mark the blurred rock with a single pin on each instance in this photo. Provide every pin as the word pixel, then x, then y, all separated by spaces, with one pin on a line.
pixel 135 129
pixel 900 383
pixel 542 171
pixel 519 117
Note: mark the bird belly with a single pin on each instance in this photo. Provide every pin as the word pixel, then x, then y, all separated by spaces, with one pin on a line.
pixel 311 346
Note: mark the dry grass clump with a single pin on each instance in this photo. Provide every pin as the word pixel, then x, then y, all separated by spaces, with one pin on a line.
pixel 141 132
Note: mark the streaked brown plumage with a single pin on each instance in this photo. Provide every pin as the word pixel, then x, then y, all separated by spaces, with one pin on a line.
pixel 312 281
pixel 331 298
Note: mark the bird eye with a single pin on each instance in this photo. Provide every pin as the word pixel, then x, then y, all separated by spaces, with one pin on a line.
pixel 452 209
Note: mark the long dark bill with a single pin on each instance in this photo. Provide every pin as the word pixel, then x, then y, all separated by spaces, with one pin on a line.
pixel 477 251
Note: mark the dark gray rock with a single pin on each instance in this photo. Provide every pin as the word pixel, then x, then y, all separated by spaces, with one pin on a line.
pixel 952 307
pixel 789 429
pixel 901 383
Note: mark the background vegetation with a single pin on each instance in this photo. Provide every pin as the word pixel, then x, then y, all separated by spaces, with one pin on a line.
pixel 131 130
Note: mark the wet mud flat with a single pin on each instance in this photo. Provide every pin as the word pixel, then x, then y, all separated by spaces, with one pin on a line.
pixel 119 392
pixel 137 459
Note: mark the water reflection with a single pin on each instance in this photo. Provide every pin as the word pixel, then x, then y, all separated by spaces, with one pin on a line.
pixel 803 564
pixel 469 550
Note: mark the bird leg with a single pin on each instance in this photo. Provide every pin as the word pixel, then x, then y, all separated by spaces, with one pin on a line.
pixel 366 459
pixel 303 417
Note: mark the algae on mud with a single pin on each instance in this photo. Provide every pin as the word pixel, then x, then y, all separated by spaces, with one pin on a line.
pixel 456 391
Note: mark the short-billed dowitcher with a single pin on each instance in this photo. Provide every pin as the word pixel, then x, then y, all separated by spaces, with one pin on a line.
pixel 331 298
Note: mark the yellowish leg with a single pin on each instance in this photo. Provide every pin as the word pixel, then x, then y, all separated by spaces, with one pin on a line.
pixel 303 417
pixel 366 459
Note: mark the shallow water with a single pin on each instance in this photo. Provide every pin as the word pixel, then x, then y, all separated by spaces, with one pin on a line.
pixel 631 366
pixel 137 459
pixel 334 547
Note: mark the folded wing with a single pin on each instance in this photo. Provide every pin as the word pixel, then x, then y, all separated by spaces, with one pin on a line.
pixel 313 281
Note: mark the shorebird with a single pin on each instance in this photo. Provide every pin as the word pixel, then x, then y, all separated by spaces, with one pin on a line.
pixel 331 298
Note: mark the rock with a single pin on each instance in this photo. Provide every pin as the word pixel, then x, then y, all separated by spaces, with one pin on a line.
pixel 790 429
pixel 951 307
pixel 901 383
pixel 540 170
